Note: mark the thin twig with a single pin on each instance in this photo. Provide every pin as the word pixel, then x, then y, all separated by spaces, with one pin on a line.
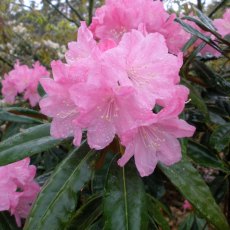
pixel 6 62
pixel 91 5
pixel 56 8
pixel 74 10
pixel 217 8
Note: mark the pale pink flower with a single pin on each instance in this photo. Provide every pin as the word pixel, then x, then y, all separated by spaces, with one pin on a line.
pixel 23 79
pixel 223 24
pixel 18 189
pixel 142 62
pixel 108 110
pixel 187 205
pixel 115 18
pixel 157 141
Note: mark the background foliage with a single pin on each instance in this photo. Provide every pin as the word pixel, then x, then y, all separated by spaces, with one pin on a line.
pixel 84 189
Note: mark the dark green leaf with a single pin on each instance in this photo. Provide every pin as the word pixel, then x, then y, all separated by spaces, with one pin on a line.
pixel 125 199
pixel 220 138
pixel 157 215
pixel 27 143
pixel 196 99
pixel 213 80
pixel 6 116
pixel 7 222
pixel 57 201
pixel 198 34
pixel 189 182
pixel 187 223
pixel 87 214
pixel 203 156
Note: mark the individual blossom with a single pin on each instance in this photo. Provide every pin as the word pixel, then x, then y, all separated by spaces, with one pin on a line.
pixel 187 206
pixel 23 79
pixel 156 141
pixel 58 103
pixel 115 18
pixel 142 62
pixel 223 24
pixel 18 189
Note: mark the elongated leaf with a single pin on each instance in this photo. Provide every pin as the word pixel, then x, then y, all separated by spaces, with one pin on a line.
pixel 220 138
pixel 157 215
pixel 6 116
pixel 198 34
pixel 203 156
pixel 125 199
pixel 196 99
pixel 58 199
pixel 204 18
pixel 27 143
pixel 189 182
pixel 7 222
pixel 87 214
pixel 211 79
pixel 26 135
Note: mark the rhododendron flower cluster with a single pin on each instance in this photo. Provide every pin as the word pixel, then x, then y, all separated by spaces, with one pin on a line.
pixel 23 79
pixel 112 88
pixel 18 189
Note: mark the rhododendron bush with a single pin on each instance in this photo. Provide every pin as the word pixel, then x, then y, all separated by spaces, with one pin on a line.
pixel 134 118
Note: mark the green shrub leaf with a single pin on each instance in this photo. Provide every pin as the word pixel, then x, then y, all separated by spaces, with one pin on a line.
pixel 189 182
pixel 125 199
pixel 57 201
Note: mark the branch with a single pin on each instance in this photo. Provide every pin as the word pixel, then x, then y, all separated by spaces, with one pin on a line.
pixel 56 8
pixel 6 62
pixel 74 10
pixel 217 8
pixel 91 5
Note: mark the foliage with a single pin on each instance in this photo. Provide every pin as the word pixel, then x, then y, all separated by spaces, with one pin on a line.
pixel 85 189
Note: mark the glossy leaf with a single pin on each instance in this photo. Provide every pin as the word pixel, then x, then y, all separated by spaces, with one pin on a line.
pixel 189 182
pixel 58 199
pixel 27 143
pixel 125 199
pixel 203 156
pixel 6 116
pixel 7 222
pixel 220 138
pixel 156 213
pixel 87 214
pixel 210 78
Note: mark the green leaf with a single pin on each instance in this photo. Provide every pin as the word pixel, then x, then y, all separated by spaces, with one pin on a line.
pixel 213 80
pixel 196 99
pixel 125 199
pixel 156 214
pixel 58 199
pixel 198 34
pixel 220 138
pixel 189 182
pixel 187 223
pixel 7 222
pixel 6 116
pixel 27 143
pixel 203 156
pixel 87 214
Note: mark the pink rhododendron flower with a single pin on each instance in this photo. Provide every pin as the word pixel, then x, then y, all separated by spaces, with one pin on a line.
pixel 223 24
pixel 18 189
pixel 157 141
pixel 187 205
pixel 115 18
pixel 115 77
pixel 23 79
